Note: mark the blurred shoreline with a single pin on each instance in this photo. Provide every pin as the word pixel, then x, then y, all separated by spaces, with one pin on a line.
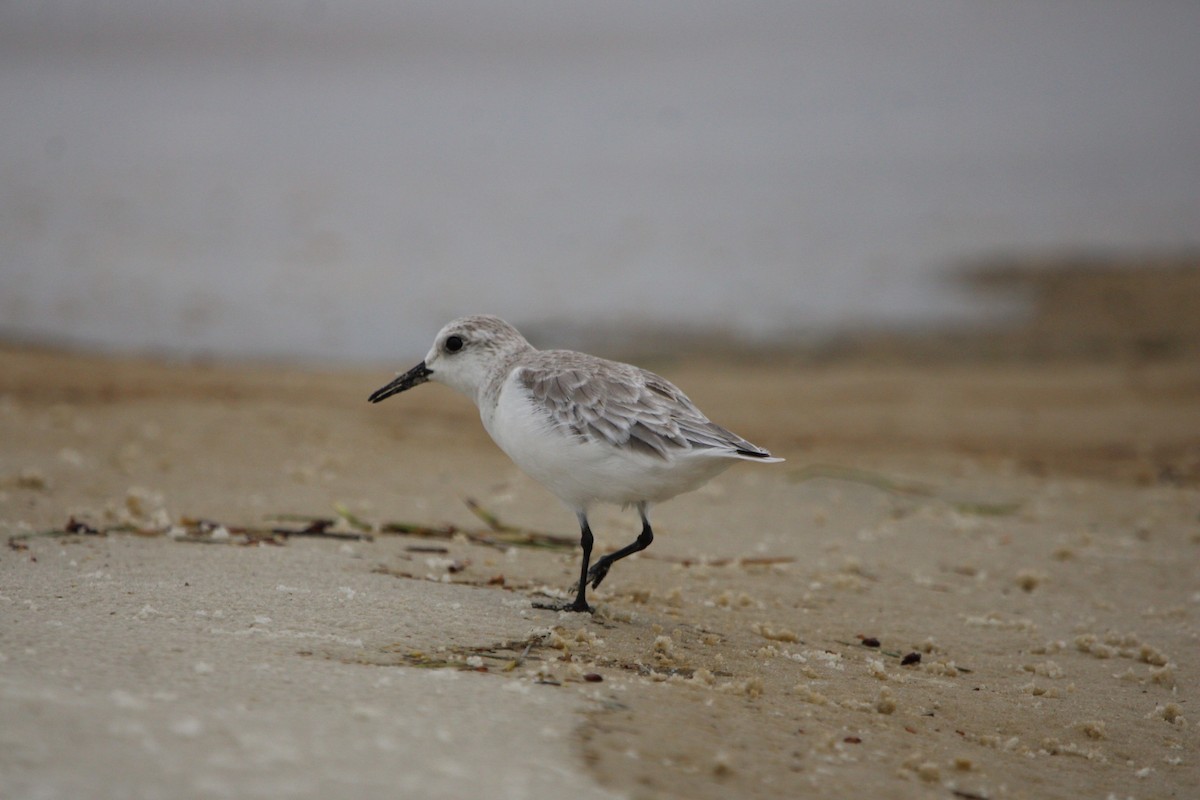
pixel 1081 307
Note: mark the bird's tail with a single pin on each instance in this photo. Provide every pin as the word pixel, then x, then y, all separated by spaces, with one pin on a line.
pixel 756 454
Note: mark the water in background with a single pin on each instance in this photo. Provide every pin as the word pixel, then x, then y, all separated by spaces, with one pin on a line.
pixel 335 180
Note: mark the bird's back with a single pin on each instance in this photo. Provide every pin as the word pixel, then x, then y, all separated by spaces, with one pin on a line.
pixel 623 407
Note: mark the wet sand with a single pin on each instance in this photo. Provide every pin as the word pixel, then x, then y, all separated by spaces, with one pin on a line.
pixel 967 580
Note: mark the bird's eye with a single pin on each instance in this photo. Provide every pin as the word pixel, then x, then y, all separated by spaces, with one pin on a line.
pixel 453 344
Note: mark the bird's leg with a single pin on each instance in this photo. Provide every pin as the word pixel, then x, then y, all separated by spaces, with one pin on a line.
pixel 643 541
pixel 580 603
pixel 585 540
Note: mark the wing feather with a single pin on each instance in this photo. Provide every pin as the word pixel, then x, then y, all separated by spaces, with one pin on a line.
pixel 624 406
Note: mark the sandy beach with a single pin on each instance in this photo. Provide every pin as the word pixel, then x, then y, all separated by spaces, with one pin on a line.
pixel 967 580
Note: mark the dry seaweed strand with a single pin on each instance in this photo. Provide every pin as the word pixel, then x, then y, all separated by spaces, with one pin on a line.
pixel 498 534
pixel 200 531
pixel 507 656
pixel 739 561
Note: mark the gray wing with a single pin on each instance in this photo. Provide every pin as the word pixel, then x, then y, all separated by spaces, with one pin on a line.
pixel 626 407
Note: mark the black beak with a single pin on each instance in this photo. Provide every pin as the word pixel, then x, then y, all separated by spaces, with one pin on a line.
pixel 414 377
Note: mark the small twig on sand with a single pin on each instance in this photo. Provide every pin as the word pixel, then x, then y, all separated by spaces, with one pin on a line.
pixel 414 529
pixel 498 534
pixel 489 519
pixel 520 536
pixel 351 519
pixel 749 561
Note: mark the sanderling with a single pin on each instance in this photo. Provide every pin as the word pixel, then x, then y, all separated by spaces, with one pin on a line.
pixel 588 429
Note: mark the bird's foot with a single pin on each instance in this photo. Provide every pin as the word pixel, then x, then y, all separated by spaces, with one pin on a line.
pixel 579 605
pixel 597 573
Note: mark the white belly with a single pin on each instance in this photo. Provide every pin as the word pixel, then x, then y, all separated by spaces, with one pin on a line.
pixel 582 472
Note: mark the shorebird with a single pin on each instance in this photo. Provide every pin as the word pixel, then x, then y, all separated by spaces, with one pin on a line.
pixel 588 429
